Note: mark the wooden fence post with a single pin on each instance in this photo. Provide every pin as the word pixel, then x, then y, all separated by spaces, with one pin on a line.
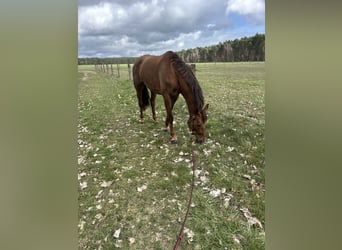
pixel 117 65
pixel 111 68
pixel 129 71
pixel 193 68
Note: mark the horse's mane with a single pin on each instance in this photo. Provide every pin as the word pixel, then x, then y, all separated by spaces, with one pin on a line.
pixel 186 73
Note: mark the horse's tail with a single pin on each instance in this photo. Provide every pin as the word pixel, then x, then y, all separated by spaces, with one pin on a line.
pixel 135 72
pixel 145 97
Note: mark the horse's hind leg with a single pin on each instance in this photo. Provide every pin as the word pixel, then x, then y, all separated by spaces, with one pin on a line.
pixel 141 106
pixel 139 90
pixel 153 106
pixel 141 114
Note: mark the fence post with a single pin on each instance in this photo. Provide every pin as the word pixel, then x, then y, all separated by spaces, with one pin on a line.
pixel 111 68
pixel 117 65
pixel 193 68
pixel 129 71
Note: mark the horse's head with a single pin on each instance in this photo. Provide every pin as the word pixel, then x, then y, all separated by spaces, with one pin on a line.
pixel 197 122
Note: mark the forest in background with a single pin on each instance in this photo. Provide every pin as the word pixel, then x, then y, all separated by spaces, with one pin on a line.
pixel 238 50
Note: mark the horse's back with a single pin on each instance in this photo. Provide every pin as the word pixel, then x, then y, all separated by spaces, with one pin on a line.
pixel 149 63
pixel 156 72
pixel 148 72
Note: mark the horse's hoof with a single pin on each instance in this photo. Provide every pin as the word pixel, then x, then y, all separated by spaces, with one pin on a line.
pixel 174 142
pixel 199 141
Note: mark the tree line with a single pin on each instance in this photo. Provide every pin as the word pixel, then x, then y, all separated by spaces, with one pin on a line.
pixel 238 50
pixel 108 60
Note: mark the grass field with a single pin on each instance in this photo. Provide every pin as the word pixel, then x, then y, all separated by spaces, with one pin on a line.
pixel 134 185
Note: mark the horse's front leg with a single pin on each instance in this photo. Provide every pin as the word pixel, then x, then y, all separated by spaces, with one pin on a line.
pixel 169 118
pixel 169 123
pixel 153 106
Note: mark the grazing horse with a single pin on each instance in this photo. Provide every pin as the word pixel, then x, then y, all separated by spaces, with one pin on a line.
pixel 169 76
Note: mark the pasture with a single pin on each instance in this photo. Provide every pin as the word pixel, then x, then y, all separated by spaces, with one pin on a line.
pixel 134 184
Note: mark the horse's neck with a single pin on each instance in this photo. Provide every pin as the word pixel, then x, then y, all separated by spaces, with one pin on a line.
pixel 189 98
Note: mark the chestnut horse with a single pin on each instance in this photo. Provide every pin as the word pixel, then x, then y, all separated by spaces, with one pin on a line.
pixel 169 76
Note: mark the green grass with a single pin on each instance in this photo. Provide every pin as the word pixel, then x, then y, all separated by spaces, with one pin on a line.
pixel 119 156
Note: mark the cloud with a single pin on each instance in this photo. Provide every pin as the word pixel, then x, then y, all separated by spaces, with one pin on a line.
pixel 253 10
pixel 131 28
pixel 244 7
pixel 96 20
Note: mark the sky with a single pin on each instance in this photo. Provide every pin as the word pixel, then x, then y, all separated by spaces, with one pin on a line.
pixel 131 28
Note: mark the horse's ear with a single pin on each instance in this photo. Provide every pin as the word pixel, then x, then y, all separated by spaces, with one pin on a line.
pixel 206 107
